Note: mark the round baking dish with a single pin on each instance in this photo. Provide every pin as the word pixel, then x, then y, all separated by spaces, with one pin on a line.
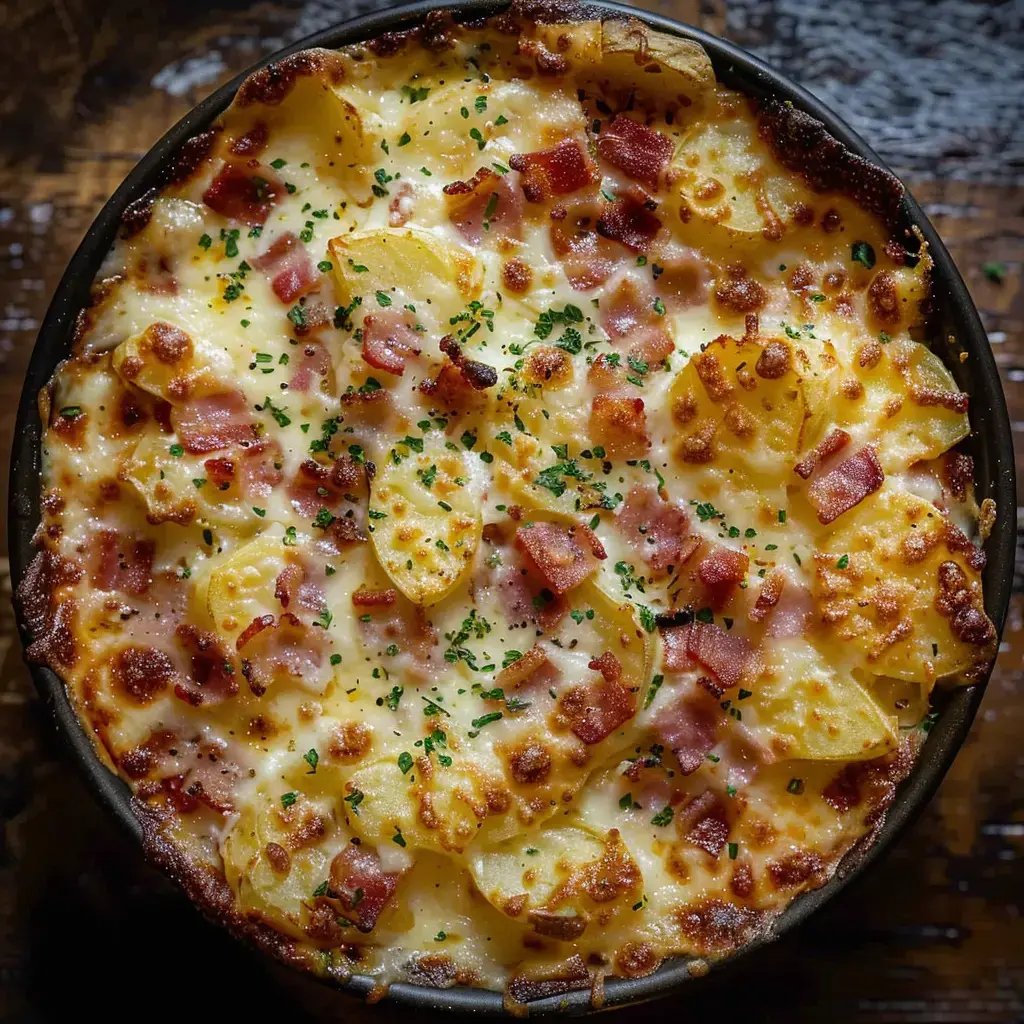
pixel 953 314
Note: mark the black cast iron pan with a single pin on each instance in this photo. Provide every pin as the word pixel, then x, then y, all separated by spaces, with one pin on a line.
pixel 953 315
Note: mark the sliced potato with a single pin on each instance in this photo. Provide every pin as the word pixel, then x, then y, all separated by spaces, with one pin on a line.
pixel 520 467
pixel 406 264
pixel 430 527
pixel 438 123
pixel 163 482
pixel 439 809
pixel 256 871
pixel 167 362
pixel 881 606
pixel 241 587
pixel 672 69
pixel 906 699
pixel 805 710
pixel 561 880
pixel 733 413
pixel 314 112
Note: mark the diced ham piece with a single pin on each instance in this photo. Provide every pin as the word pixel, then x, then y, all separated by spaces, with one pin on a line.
pixel 253 471
pixel 122 563
pixel 557 171
pixel 242 195
pixel 287 649
pixel 402 205
pixel 657 530
pixel 398 622
pixel 212 679
pixel 297 589
pixel 184 771
pixel 720 570
pixel 846 486
pixel 316 486
pixel 388 340
pixel 214 422
pixel 556 555
pixel 289 267
pixel 791 612
pixel 588 259
pixel 596 709
pixel 362 886
pixel 729 656
pixel 629 222
pixel 628 315
pixel 486 206
pixel 641 153
pixel 689 726
pixel 312 365
pixel 619 423
pixel 684 279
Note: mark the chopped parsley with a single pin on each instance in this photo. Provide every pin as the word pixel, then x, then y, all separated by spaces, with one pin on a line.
pixel 652 690
pixel 663 817
pixel 862 253
pixel 312 758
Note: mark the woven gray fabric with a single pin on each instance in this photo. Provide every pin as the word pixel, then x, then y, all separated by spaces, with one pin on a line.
pixel 936 87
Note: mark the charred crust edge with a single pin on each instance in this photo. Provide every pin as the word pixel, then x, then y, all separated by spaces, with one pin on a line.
pixel 803 145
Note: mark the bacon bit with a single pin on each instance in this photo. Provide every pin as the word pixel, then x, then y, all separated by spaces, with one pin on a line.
pixel 689 728
pixel 487 198
pixel 142 672
pixel 684 281
pixel 957 474
pixel 240 196
pixel 252 143
pixel 626 310
pixel 959 603
pixel 375 598
pixel 291 271
pixel 620 424
pixel 768 598
pixel 739 293
pixel 774 361
pixel 260 623
pixel 728 656
pixel 122 563
pixel 288 648
pixel 213 668
pixel 388 340
pixel 835 441
pixel 557 171
pixel 720 570
pixel 213 422
pixel 479 376
pixel 629 222
pixel 609 667
pixel 522 668
pixel 641 153
pixel 594 711
pixel 846 486
pixel 657 530
pixel 596 547
pixel 555 554
pixel 954 401
pixel 312 489
pixel 358 869
pixel 703 823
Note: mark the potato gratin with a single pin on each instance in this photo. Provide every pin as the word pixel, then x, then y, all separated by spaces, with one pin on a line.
pixel 500 515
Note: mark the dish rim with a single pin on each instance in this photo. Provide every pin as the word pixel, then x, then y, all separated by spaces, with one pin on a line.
pixel 752 76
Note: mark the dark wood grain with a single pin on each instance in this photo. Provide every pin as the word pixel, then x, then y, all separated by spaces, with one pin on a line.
pixel 934 933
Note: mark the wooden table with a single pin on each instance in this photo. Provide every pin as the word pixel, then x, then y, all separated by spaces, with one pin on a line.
pixel 935 933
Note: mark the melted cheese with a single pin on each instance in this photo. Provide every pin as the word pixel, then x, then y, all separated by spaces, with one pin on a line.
pixel 376 665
